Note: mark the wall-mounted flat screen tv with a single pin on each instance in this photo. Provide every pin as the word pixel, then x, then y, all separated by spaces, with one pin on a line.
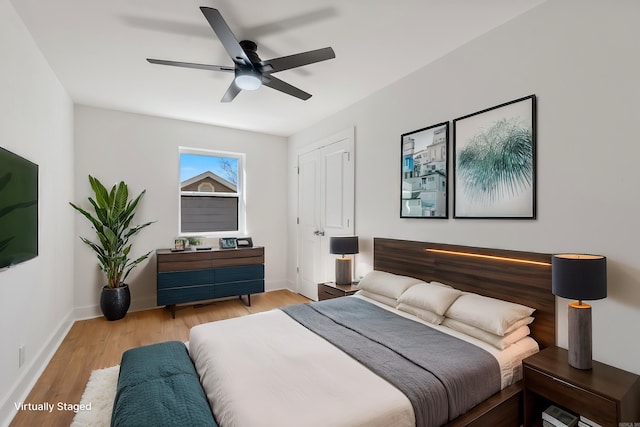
pixel 18 209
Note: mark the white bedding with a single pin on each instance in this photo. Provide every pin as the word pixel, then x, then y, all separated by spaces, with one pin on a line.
pixel 268 370
pixel 509 359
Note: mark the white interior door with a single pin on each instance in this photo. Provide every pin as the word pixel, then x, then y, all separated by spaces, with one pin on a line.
pixel 325 208
pixel 309 225
pixel 337 199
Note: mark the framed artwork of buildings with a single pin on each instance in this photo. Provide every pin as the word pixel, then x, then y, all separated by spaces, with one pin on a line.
pixel 424 171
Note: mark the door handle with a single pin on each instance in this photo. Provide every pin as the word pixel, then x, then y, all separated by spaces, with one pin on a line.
pixel 318 233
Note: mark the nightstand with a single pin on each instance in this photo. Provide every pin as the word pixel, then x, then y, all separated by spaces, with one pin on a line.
pixel 330 290
pixel 604 394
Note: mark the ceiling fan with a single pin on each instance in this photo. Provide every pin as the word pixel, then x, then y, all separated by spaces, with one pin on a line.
pixel 250 71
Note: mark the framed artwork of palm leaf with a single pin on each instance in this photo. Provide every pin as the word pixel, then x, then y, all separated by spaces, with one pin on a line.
pixel 494 163
pixel 425 156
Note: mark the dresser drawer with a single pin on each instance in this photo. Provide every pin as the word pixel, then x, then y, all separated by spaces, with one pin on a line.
pixel 179 261
pixel 591 405
pixel 177 279
pixel 232 257
pixel 239 288
pixel 241 273
pixel 187 294
pixel 331 292
pixel 322 295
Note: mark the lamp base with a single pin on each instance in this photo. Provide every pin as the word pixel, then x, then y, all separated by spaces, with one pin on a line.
pixel 343 271
pixel 580 344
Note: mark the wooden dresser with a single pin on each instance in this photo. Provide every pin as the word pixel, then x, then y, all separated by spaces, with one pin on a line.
pixel 191 276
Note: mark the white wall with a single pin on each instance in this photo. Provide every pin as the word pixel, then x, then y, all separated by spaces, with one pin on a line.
pixel 580 59
pixel 36 297
pixel 143 151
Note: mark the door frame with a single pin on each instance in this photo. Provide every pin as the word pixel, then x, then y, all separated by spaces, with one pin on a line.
pixel 347 134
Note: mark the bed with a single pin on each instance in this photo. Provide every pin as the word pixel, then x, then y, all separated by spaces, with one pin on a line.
pixel 278 371
pixel 358 361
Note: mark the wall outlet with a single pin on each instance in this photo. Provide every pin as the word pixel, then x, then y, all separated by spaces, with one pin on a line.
pixel 20 356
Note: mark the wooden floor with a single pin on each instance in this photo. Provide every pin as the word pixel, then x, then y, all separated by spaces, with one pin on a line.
pixel 97 343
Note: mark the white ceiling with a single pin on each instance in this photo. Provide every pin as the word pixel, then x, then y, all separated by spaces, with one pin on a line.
pixel 98 50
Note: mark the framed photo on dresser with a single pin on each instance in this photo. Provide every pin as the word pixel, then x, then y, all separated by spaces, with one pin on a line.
pixel 228 243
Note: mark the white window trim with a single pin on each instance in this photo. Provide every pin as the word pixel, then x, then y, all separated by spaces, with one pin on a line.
pixel 241 193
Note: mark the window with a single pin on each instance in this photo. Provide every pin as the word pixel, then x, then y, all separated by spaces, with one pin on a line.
pixel 211 192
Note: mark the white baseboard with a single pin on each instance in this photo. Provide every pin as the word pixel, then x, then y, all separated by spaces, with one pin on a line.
pixel 32 373
pixel 277 285
pixel 92 311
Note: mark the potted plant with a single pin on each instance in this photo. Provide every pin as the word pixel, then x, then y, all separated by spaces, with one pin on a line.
pixel 112 224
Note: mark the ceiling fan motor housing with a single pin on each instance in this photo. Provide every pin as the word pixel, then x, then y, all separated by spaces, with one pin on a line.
pixel 251 49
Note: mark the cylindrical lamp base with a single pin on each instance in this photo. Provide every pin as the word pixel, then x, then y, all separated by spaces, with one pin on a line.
pixel 580 336
pixel 343 271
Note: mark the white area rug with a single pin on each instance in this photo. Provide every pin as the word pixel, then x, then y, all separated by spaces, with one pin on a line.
pixel 100 393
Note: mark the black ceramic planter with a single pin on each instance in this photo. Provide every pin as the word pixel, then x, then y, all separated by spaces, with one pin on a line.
pixel 115 302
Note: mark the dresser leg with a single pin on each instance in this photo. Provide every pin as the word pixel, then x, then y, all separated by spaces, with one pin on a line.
pixel 248 303
pixel 171 307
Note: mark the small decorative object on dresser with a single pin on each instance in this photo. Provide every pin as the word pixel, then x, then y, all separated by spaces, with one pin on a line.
pixel 244 242
pixel 604 395
pixel 329 290
pixel 228 243
pixel 179 244
pixel 343 246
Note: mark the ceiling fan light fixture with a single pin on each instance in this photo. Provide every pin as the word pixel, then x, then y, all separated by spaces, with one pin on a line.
pixel 248 80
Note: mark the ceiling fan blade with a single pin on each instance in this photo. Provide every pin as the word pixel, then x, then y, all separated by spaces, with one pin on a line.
pixel 191 65
pixel 225 35
pixel 277 84
pixel 231 93
pixel 297 60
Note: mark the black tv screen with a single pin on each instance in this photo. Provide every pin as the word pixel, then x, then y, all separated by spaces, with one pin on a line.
pixel 18 209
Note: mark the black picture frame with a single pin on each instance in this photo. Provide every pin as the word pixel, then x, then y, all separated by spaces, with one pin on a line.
pixel 494 162
pixel 244 242
pixel 228 243
pixel 424 172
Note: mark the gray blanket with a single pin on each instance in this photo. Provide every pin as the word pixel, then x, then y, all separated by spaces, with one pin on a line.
pixel 441 375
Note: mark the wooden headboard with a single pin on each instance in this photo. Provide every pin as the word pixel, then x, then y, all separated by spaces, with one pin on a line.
pixel 495 273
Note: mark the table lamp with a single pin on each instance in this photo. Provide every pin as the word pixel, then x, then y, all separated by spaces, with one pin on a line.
pixel 580 277
pixel 343 246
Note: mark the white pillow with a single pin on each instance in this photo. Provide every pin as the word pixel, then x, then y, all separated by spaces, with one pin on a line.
pixel 489 314
pixel 387 284
pixel 380 298
pixel 440 284
pixel 426 315
pixel 516 325
pixel 495 340
pixel 429 296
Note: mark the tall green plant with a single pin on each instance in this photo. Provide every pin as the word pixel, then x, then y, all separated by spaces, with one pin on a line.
pixel 113 214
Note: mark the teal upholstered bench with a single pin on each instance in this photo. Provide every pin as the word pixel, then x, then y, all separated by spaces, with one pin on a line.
pixel 159 386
